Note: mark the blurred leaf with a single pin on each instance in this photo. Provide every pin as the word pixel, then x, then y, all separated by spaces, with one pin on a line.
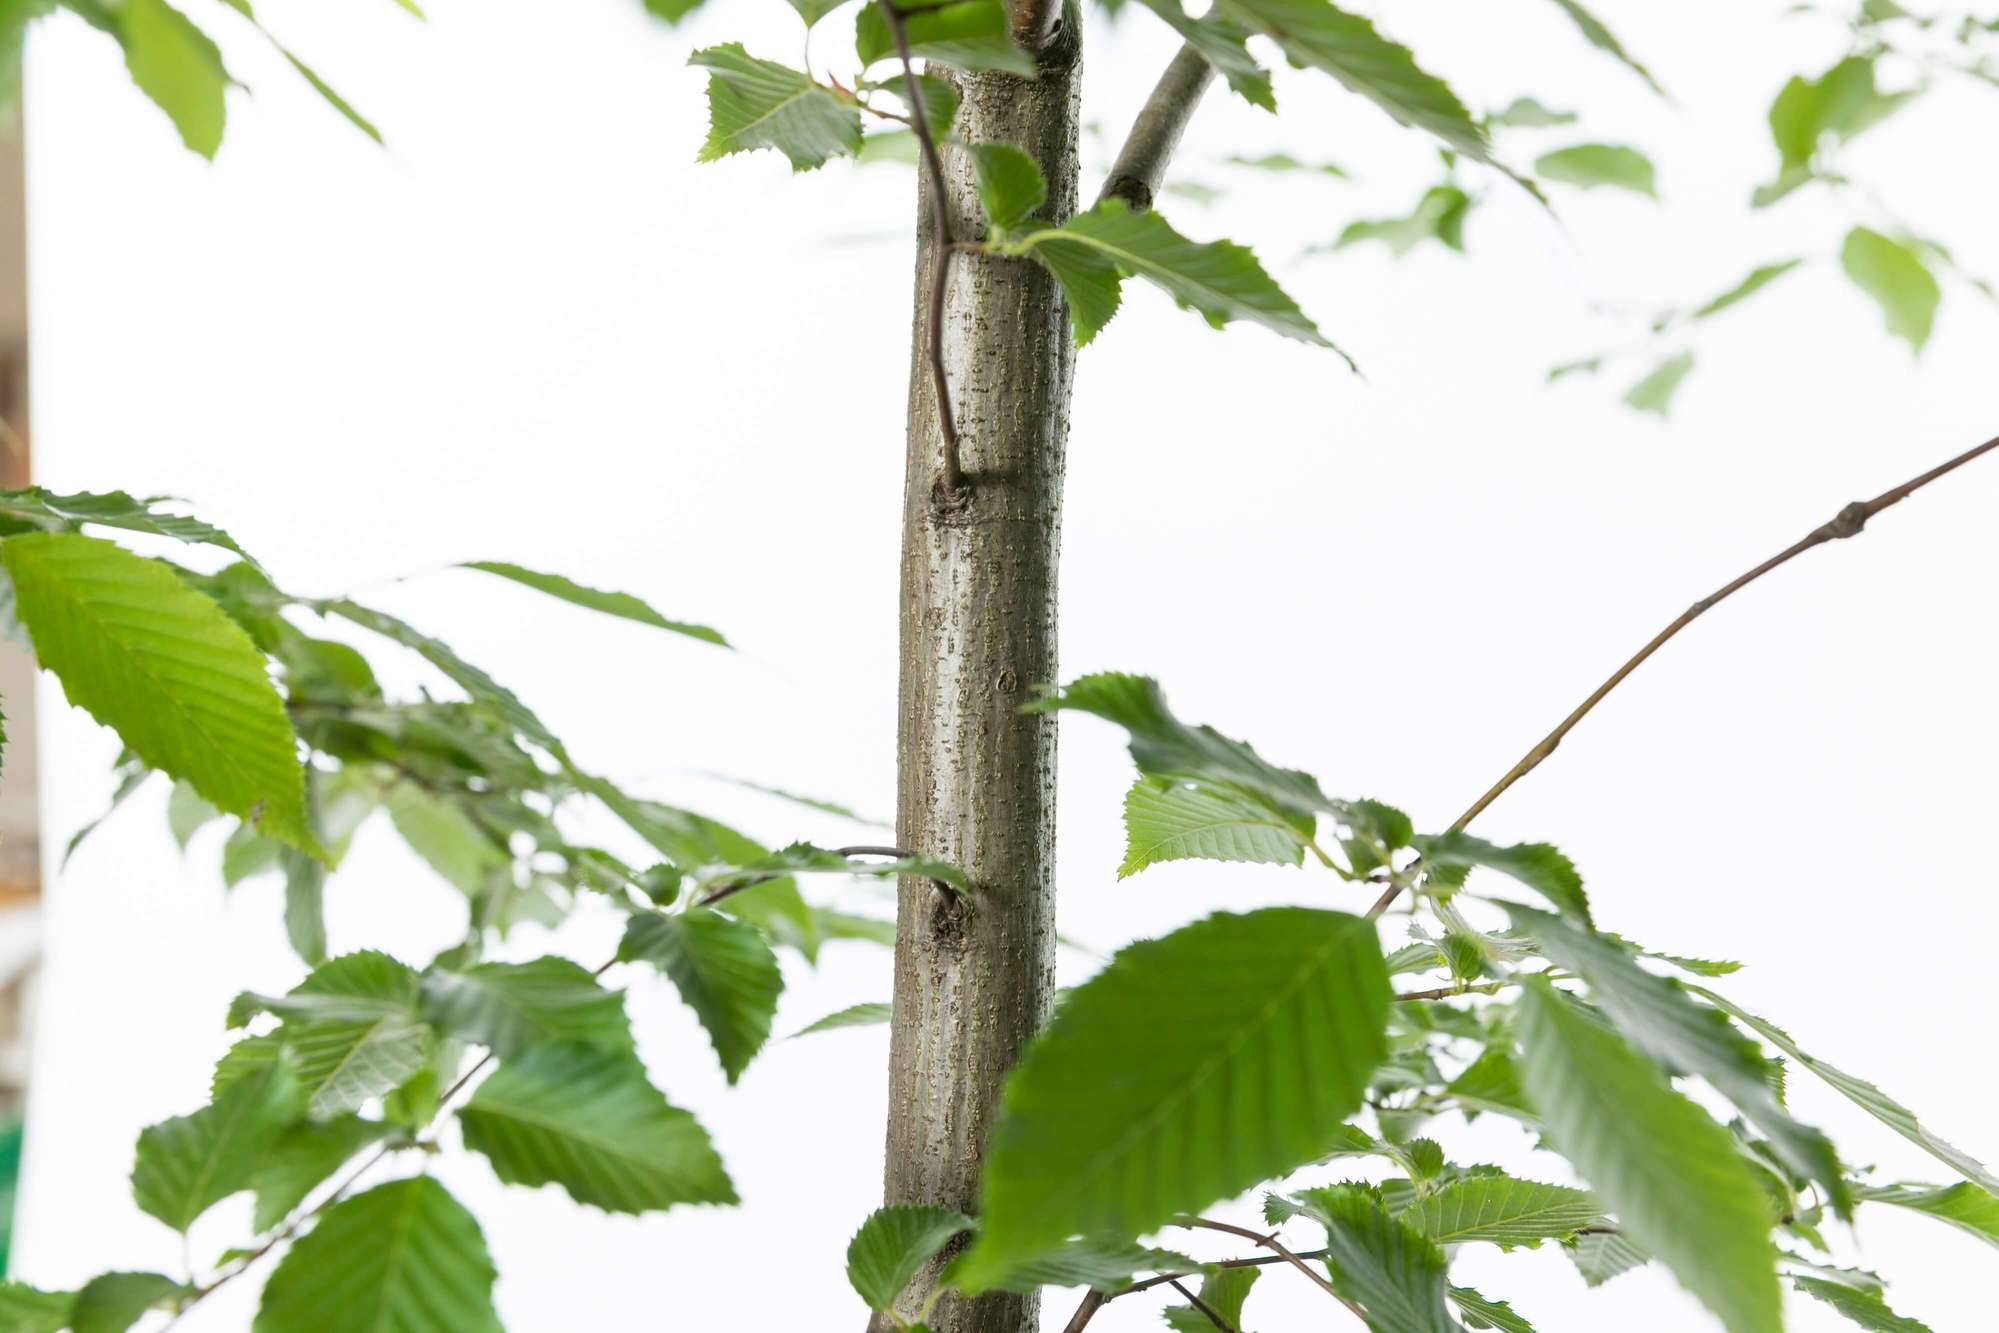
pixel 722 969
pixel 871 1014
pixel 507 1007
pixel 1654 393
pixel 1224 1291
pixel 967 34
pixel 1587 165
pixel 1225 46
pixel 1964 1206
pixel 813 10
pixel 1868 1311
pixel 114 1302
pixel 1898 280
pixel 1439 215
pixel 188 1164
pixel 1527 114
pixel 302 1157
pixel 620 604
pixel 176 65
pixel 110 509
pixel 1101 1265
pixel 1604 40
pixel 1758 278
pixel 1009 184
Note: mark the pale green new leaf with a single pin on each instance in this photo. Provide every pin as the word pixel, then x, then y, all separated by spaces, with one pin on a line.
pixel 756 103
pixel 1319 35
pixel 1671 1174
pixel 968 34
pixel 1606 41
pixel 588 1120
pixel 508 1006
pixel 1587 165
pixel 1654 391
pixel 1175 822
pixel 113 1302
pixel 1483 1313
pixel 1107 1119
pixel 1439 215
pixel 893 1243
pixel 1864 1095
pixel 874 1013
pixel 1863 1308
pixel 1894 275
pixel 406 1253
pixel 1502 1210
pixel 723 970
pixel 1224 1291
pixel 1964 1206
pixel 813 10
pixel 1757 279
pixel 176 65
pixel 188 1164
pixel 1381 1263
pixel 620 604
pixel 1009 184
pixel 1219 279
pixel 164 667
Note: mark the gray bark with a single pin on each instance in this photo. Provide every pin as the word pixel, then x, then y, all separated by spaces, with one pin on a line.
pixel 976 784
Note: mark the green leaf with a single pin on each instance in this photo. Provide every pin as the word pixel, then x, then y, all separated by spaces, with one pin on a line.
pixel 1527 114
pixel 1091 286
pixel 482 688
pixel 506 1007
pixel 1175 822
pixel 1439 215
pixel 188 1164
pixel 1503 1210
pixel 302 1157
pixel 969 34
pixel 176 65
pixel 814 10
pixel 1101 1265
pixel 620 604
pixel 1604 40
pixel 114 1302
pixel 305 906
pixel 330 95
pixel 451 842
pixel 1654 393
pixel 1284 162
pixel 1603 1255
pixel 1862 1094
pixel 406 1252
pixel 874 1013
pixel 1657 1016
pixel 1588 165
pixel 1758 278
pixel 1219 279
pixel 162 666
pixel 1481 1313
pixel 759 104
pixel 1010 185
pixel 351 1028
pixel 671 10
pixel 26 1309
pixel 1538 865
pixel 940 104
pixel 1863 1308
pixel 589 1121
pixel 110 509
pixel 1106 1122
pixel 803 857
pixel 1318 35
pixel 1225 45
pixel 1898 280
pixel 1224 1291
pixel 1382 1264
pixel 893 1243
pixel 722 969
pixel 1964 1206
pixel 1669 1172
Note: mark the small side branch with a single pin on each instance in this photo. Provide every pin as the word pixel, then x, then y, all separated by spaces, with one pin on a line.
pixel 1208 1311
pixel 1140 168
pixel 1848 522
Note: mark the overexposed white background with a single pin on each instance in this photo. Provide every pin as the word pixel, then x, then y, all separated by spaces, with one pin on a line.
pixel 532 329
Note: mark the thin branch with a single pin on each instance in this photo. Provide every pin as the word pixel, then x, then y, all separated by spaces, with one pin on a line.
pixel 1270 1242
pixel 730 890
pixel 1206 1309
pixel 1848 522
pixel 1141 163
pixel 951 475
pixel 1096 1300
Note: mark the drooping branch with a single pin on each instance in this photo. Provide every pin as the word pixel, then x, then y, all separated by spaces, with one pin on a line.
pixel 1140 168
pixel 1848 522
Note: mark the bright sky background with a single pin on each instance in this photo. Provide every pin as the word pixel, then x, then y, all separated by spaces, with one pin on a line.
pixel 533 329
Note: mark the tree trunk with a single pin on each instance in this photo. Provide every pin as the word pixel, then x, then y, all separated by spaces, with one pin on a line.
pixel 976 785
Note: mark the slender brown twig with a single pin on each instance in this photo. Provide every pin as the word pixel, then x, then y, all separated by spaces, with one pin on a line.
pixel 951 475
pixel 1096 1300
pixel 730 890
pixel 1847 522
pixel 1270 1242
pixel 1213 1316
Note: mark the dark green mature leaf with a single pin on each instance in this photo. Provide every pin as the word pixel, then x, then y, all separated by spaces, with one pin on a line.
pixel 351 1028
pixel 1383 1264
pixel 1864 1095
pixel 756 103
pixel 589 1121
pixel 723 970
pixel 620 604
pixel 1604 40
pixel 1492 1083
pixel 406 1252
pixel 1863 1308
pixel 1105 1129
pixel 940 104
pixel 1657 1016
pixel 1964 1206
pixel 26 1309
pixel 1757 279
pixel 1587 165
pixel 969 34
pixel 1101 1265
pixel 1439 215
pixel 1091 285
pixel 874 1013
pixel 1219 279
pixel 1316 34
pixel 176 65
pixel 302 1157
pixel 110 509
pixel 1010 185
pixel 1898 280
pixel 1670 1173
pixel 1224 1291
pixel 114 1302
pixel 1175 822
pixel 1482 1313
pixel 1225 46
pixel 893 1243
pixel 1654 392
pixel 506 1007
pixel 188 1164
pixel 1503 1210
pixel 1538 865
pixel 161 665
